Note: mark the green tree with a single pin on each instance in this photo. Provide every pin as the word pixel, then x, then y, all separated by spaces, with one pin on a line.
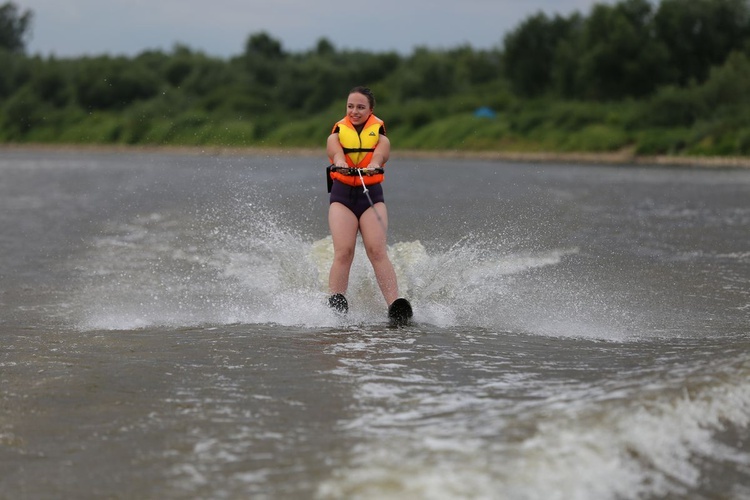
pixel 565 71
pixel 475 67
pixel 50 81
pixel 263 58
pixel 727 89
pixel 263 45
pixel 427 74
pixel 324 47
pixel 112 83
pixel 621 56
pixel 22 112
pixel 530 50
pixel 14 72
pixel 204 74
pixel 700 34
pixel 14 27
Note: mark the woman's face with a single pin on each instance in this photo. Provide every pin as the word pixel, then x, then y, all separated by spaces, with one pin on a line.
pixel 358 108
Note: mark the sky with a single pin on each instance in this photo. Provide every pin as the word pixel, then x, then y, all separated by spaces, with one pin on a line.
pixel 73 28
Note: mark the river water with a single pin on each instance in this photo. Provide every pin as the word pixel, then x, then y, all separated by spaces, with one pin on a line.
pixel 581 332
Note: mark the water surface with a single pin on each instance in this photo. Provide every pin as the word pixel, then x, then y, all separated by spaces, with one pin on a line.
pixel 580 332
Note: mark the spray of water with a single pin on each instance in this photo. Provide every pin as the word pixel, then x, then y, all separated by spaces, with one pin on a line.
pixel 247 266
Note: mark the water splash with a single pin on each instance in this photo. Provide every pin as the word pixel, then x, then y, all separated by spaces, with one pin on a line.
pixel 177 269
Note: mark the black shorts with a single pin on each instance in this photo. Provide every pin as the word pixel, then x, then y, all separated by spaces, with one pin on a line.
pixel 354 197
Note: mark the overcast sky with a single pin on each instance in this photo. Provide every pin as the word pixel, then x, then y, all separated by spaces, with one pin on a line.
pixel 221 27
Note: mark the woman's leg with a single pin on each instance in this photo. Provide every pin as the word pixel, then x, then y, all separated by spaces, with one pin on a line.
pixel 344 226
pixel 374 238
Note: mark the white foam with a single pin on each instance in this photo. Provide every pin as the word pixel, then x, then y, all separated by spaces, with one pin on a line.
pixel 172 269
pixel 584 449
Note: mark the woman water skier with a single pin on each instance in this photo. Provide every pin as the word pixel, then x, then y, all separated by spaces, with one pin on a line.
pixel 358 150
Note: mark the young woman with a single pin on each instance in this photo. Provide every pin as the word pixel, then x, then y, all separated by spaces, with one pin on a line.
pixel 358 150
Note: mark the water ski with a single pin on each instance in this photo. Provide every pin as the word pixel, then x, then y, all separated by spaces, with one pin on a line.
pixel 399 312
pixel 338 303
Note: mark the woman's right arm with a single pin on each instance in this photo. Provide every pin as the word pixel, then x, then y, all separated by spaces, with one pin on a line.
pixel 335 151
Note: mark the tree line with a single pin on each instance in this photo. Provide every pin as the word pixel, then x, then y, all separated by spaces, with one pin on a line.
pixel 668 78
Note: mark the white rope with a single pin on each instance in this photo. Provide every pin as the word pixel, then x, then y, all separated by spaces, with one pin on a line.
pixel 367 193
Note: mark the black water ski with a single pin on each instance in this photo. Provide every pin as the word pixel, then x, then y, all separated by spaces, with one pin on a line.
pixel 338 303
pixel 400 313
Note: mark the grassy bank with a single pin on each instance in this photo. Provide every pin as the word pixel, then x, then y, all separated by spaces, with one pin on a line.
pixel 710 120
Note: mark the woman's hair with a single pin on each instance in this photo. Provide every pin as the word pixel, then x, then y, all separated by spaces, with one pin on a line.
pixel 365 92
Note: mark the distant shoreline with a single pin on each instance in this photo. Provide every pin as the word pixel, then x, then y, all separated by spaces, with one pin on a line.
pixel 611 158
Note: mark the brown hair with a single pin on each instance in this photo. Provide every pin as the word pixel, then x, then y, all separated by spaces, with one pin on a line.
pixel 365 92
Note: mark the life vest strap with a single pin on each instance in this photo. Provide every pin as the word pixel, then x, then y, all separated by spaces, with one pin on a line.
pixel 358 150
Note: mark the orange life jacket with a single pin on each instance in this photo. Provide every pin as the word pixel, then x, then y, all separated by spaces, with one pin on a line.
pixel 358 149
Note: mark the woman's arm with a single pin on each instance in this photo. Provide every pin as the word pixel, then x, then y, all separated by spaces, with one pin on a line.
pixel 381 154
pixel 335 151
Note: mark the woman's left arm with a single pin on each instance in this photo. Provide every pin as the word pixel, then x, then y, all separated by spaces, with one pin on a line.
pixel 381 154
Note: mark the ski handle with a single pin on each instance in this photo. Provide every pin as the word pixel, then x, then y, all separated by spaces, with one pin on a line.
pixel 349 171
pixel 355 171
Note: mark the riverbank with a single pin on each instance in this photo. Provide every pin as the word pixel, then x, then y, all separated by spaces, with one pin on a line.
pixel 623 157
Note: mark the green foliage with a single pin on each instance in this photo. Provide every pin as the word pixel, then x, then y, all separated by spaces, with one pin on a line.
pixel 743 141
pixel 597 138
pixel 728 86
pixel 725 95
pixel 14 73
pixel 112 83
pixel 464 132
pixel 699 34
pixel 21 113
pixel 627 49
pixel 95 128
pixel 621 58
pixel 300 133
pixel 531 49
pixel 14 27
pixel 661 141
pixel 667 78
pixel 672 107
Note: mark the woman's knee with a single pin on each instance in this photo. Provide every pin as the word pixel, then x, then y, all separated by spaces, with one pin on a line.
pixel 344 255
pixel 376 253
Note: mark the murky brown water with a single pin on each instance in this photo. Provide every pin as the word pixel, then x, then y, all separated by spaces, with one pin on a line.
pixel 581 332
